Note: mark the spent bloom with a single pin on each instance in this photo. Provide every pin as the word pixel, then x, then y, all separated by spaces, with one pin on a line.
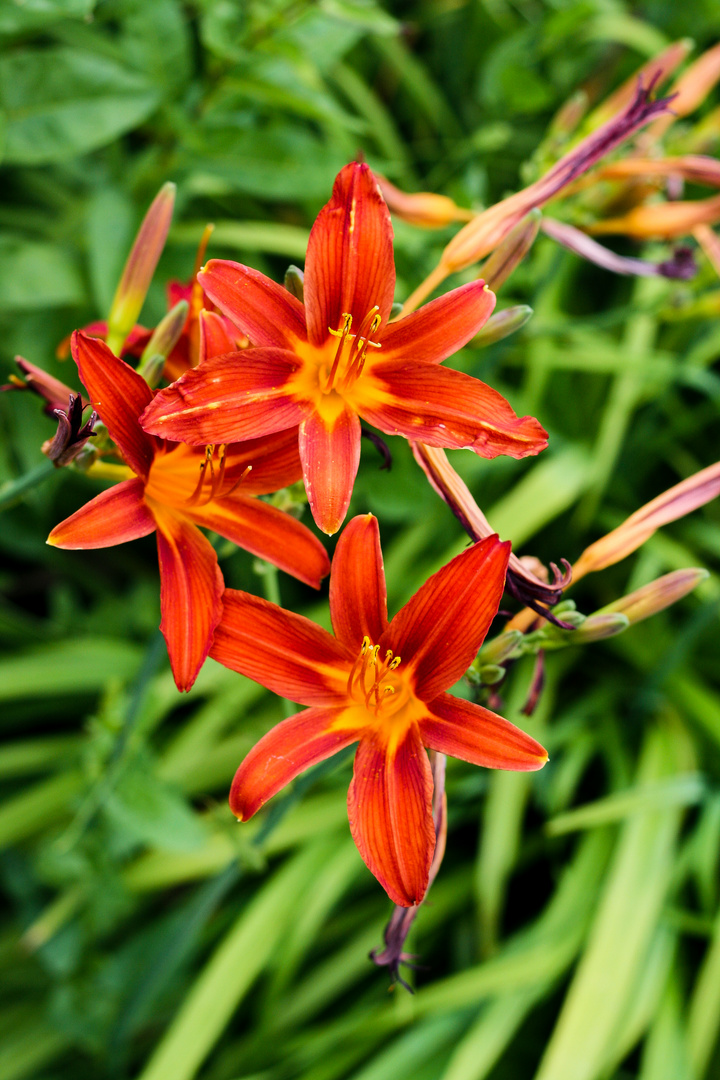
pixel 323 366
pixel 381 684
pixel 172 488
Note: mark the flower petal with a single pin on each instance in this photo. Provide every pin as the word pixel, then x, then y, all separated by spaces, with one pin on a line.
pixel 390 811
pixel 216 336
pixel 442 407
pixel 289 748
pixel 349 266
pixel 268 533
pixel 119 394
pixel 265 311
pixel 470 732
pixel 358 595
pixel 227 399
pixel 330 455
pixel 441 628
pixel 274 462
pixel 191 588
pixel 440 328
pixel 112 517
pixel 286 652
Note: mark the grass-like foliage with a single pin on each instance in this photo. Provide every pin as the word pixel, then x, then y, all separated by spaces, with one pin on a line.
pixel 573 930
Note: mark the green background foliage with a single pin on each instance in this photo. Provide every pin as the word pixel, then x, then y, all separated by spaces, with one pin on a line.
pixel 574 930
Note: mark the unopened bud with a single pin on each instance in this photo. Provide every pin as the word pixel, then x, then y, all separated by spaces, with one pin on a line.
pixel 139 268
pixel 500 648
pixel 501 325
pixel 511 251
pixel 164 339
pixel 691 89
pixel 295 282
pixel 675 503
pixel 598 627
pixel 423 208
pixel 657 595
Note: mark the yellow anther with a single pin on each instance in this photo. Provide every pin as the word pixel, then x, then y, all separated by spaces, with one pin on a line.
pixel 395 663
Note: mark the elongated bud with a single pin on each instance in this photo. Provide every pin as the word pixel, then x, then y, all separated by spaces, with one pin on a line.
pixel 697 168
pixel 598 627
pixel 657 595
pixel 139 268
pixel 664 221
pixel 675 503
pixel 569 115
pixel 422 208
pixel 501 325
pixel 486 231
pixel 164 339
pixel 511 251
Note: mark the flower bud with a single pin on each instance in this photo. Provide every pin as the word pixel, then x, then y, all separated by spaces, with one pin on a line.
pixel 139 268
pixel 511 251
pixel 675 503
pixel 164 339
pixel 295 282
pixel 501 325
pixel 422 208
pixel 657 595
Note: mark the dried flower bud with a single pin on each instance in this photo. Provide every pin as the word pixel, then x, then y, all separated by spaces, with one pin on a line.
pixel 682 265
pixel 139 268
pixel 55 393
pixel 653 73
pixel 72 433
pixel 486 231
pixel 690 90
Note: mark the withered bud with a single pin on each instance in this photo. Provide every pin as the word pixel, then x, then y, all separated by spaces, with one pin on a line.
pixel 72 433
pixel 54 392
pixel 681 266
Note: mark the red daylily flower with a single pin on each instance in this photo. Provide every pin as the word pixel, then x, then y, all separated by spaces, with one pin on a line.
pixel 173 488
pixel 337 359
pixel 382 684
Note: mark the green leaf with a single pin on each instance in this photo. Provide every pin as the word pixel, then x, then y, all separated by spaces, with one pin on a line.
pixel 60 101
pixel 20 15
pixel 146 809
pixel 36 275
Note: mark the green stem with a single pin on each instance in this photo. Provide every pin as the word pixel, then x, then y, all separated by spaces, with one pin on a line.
pixel 14 489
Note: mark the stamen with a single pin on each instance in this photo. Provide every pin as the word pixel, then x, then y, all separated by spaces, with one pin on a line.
pixel 362 342
pixel 343 335
pixel 195 497
pixel 218 480
pixel 245 473
pixel 360 656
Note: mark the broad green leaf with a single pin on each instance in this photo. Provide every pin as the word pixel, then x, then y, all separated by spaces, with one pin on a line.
pixel 34 274
pixel 68 667
pixel 20 15
pixel 60 101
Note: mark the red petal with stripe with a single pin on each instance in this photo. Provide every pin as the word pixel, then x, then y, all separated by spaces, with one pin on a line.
pixel 285 652
pixel 216 338
pixel 358 595
pixel 191 588
pixel 119 394
pixel 442 407
pixel 470 732
pixel 440 328
pixel 268 533
pixel 441 628
pixel 226 399
pixel 113 517
pixel 265 311
pixel 294 745
pixel 349 266
pixel 390 811
pixel 330 455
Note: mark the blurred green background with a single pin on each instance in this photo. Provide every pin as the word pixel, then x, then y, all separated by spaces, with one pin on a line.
pixel 574 930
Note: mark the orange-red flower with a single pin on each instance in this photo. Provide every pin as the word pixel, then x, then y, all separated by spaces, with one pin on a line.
pixel 382 684
pixel 173 488
pixel 325 365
